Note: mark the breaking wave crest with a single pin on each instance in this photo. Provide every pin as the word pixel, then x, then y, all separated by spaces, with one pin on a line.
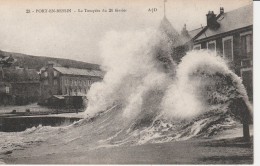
pixel 156 100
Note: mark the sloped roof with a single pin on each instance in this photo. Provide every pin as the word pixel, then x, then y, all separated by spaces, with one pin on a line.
pixel 20 75
pixel 194 32
pixel 235 19
pixel 58 96
pixel 81 72
pixel 7 60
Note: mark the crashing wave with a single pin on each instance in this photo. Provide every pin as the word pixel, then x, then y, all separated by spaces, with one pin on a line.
pixel 139 102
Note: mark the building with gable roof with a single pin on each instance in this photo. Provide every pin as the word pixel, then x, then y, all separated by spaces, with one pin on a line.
pixel 230 35
pixel 58 81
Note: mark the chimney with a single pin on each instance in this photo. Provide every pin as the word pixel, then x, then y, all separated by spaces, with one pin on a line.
pixel 221 11
pixel 50 65
pixel 212 20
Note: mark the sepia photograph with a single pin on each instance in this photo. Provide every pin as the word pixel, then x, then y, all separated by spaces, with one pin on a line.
pixel 126 82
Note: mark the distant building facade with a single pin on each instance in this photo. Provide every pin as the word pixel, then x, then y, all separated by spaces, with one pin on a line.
pixel 19 86
pixel 57 81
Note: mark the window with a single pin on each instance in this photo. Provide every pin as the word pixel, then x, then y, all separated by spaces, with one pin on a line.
pixel 67 91
pixel 211 45
pixel 45 82
pixel 55 73
pixel 55 82
pixel 7 89
pixel 65 81
pixel 228 48
pixel 246 43
pixel 197 47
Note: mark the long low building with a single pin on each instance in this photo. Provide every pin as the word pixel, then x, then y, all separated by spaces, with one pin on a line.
pixel 65 81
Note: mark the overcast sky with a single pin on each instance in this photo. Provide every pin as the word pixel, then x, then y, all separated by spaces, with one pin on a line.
pixel 76 35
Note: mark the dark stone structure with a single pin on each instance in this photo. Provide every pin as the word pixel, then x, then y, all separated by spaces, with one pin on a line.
pixel 19 86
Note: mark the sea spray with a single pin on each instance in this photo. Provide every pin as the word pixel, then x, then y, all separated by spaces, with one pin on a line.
pixel 199 80
pixel 154 103
pixel 132 69
pixel 142 103
pixel 196 103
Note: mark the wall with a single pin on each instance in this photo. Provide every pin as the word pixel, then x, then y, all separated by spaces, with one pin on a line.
pixel 65 84
pixel 80 84
pixel 245 72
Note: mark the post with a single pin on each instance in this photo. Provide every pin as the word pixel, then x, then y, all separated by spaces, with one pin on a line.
pixel 164 7
pixel 239 108
pixel 246 132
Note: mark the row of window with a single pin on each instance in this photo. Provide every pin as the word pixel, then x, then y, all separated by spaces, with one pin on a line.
pixel 72 82
pixel 76 82
pixel 46 82
pixel 227 42
pixel 55 73
pixel 76 91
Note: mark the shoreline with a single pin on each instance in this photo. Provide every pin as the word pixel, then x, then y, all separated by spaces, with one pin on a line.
pixel 194 151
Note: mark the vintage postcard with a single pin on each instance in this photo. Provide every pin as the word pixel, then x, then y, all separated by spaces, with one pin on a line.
pixel 126 82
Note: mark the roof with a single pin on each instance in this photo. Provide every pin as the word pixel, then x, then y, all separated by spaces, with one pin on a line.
pixel 81 72
pixel 194 32
pixel 185 38
pixel 20 75
pixel 58 96
pixel 7 60
pixel 61 97
pixel 235 19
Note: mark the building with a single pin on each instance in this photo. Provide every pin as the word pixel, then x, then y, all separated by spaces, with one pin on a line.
pixel 19 86
pixel 230 35
pixel 59 82
pixel 6 61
